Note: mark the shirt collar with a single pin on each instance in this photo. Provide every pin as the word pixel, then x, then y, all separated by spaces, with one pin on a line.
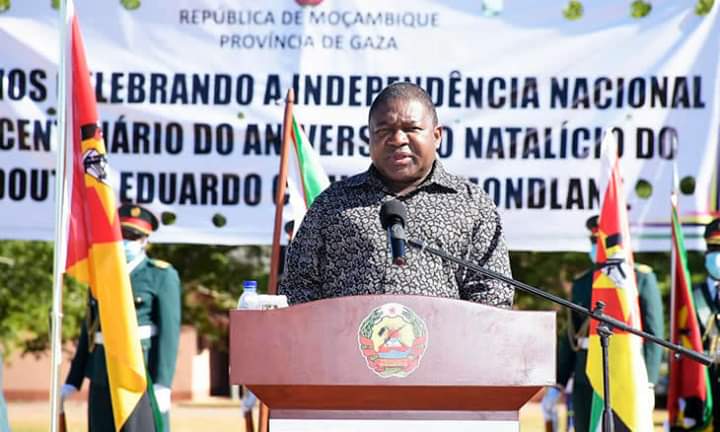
pixel 438 176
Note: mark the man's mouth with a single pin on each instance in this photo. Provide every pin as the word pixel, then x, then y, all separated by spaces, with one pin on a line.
pixel 401 157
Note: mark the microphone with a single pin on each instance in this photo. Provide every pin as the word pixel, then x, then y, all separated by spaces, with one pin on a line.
pixel 392 217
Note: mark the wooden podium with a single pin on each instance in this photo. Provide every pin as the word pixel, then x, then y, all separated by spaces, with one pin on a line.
pixel 376 363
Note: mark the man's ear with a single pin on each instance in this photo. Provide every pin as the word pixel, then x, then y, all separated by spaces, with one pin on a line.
pixel 437 135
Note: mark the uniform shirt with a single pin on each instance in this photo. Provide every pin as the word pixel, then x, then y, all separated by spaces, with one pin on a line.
pixel 341 248
pixel 707 308
pixel 156 294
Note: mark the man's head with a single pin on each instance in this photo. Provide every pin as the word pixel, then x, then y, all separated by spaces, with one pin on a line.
pixel 404 135
pixel 592 225
pixel 136 223
pixel 712 253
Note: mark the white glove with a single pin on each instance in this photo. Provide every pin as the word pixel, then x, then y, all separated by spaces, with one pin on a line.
pixel 248 402
pixel 162 396
pixel 688 422
pixel 651 396
pixel 549 403
pixel 66 391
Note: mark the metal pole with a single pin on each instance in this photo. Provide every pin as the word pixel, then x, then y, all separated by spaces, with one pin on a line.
pixel 604 331
pixel 61 191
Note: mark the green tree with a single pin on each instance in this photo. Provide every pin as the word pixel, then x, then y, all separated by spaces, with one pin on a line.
pixel 26 297
pixel 212 279
pixel 212 282
pixel 554 271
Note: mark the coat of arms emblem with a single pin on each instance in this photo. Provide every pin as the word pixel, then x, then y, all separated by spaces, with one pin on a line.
pixel 393 339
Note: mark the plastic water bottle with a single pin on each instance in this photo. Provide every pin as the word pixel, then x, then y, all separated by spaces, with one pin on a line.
pixel 249 297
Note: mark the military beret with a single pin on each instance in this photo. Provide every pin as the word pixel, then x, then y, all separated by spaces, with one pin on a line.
pixel 593 226
pixel 712 235
pixel 137 219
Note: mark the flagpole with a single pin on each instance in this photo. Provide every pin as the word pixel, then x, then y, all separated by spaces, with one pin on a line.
pixel 60 249
pixel 672 358
pixel 673 256
pixel 264 416
pixel 280 193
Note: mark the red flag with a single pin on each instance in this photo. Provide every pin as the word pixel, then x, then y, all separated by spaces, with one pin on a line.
pixel 614 284
pixel 689 381
pixel 94 253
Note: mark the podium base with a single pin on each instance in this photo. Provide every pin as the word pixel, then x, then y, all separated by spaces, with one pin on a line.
pixel 393 421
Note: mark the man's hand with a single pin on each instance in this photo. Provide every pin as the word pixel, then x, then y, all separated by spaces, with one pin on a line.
pixel 162 396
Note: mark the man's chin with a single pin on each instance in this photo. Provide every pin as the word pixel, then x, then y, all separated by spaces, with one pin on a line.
pixel 403 179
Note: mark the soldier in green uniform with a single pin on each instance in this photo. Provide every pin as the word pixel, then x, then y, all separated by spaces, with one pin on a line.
pixel 707 308
pixel 156 291
pixel 572 348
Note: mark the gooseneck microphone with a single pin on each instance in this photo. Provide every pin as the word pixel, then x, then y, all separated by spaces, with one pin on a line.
pixel 392 217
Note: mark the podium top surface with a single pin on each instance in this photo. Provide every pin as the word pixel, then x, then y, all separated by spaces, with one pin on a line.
pixel 390 340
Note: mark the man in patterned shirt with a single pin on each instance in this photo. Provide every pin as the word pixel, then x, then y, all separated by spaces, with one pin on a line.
pixel 341 248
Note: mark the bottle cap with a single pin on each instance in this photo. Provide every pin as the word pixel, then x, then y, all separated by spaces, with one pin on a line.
pixel 249 284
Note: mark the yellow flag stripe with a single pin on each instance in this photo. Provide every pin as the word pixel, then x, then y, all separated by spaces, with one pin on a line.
pixel 124 357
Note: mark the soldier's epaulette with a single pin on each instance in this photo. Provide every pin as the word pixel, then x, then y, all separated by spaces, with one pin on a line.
pixel 643 268
pixel 160 263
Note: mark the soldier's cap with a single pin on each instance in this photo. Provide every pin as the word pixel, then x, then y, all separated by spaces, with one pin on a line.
pixel 137 220
pixel 593 226
pixel 289 227
pixel 712 235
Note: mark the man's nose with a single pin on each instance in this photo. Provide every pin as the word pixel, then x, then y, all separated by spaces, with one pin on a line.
pixel 398 138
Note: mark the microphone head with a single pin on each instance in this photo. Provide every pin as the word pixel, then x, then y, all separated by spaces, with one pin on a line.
pixel 391 212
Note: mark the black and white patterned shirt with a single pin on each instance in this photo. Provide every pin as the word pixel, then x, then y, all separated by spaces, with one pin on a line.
pixel 341 248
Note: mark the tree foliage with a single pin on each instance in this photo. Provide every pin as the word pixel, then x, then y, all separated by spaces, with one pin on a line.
pixel 554 272
pixel 211 275
pixel 212 282
pixel 638 9
pixel 212 279
pixel 703 7
pixel 573 11
pixel 26 297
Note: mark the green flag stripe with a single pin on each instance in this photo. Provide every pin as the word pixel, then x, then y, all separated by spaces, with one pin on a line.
pixel 596 410
pixel 680 247
pixel 313 177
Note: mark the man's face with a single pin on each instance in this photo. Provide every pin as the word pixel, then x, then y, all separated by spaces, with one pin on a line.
pixel 130 234
pixel 403 141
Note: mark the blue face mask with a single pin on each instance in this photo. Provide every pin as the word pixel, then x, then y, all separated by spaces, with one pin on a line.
pixel 133 249
pixel 712 264
pixel 593 252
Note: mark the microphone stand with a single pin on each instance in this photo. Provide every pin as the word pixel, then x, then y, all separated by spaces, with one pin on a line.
pixel 605 326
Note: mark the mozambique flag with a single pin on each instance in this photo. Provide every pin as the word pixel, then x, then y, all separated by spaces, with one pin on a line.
pixel 306 176
pixel 94 254
pixel 614 284
pixel 689 401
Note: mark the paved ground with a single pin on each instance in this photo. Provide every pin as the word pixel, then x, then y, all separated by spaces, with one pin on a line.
pixel 213 415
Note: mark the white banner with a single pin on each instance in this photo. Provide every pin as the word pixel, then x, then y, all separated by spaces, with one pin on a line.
pixel 190 96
